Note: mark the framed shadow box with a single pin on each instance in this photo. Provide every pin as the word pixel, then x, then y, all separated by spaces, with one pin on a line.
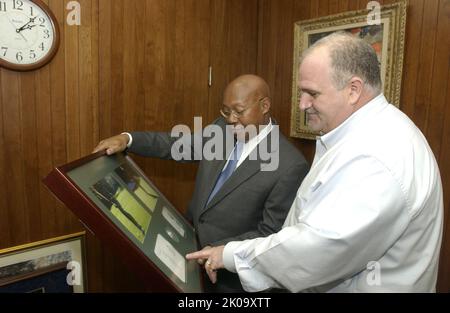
pixel 116 201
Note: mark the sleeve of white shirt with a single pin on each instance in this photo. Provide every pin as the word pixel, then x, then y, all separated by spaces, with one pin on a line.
pixel 351 218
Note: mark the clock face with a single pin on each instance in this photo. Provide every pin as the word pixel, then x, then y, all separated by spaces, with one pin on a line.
pixel 28 37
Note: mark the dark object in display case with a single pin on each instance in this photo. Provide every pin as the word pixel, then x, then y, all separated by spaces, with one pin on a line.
pixel 123 208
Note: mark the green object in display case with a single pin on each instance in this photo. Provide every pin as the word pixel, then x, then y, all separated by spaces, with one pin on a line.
pixel 114 199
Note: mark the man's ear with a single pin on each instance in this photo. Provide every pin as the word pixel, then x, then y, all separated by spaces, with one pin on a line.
pixel 356 86
pixel 265 105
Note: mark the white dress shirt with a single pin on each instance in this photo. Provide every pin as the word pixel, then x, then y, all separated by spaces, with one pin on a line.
pixel 373 194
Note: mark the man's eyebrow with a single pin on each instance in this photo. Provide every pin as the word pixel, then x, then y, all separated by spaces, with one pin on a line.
pixel 308 90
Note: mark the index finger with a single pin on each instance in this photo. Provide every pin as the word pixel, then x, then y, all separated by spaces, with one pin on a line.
pixel 101 146
pixel 198 255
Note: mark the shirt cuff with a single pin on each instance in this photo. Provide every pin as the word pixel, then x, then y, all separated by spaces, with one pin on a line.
pixel 130 139
pixel 228 256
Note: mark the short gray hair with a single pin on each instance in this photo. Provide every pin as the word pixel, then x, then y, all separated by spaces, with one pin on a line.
pixel 350 56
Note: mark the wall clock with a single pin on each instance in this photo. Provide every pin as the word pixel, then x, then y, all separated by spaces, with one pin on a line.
pixel 29 36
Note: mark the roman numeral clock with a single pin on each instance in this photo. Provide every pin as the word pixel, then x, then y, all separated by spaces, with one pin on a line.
pixel 29 34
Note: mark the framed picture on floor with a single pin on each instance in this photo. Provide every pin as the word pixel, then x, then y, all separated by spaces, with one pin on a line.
pixel 55 265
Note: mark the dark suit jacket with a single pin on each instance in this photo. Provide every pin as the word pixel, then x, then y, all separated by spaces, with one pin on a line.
pixel 252 203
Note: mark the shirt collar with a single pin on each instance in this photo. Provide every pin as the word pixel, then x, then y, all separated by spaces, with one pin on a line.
pixel 250 145
pixel 261 135
pixel 351 123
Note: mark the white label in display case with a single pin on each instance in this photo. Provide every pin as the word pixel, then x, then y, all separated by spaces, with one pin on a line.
pixel 173 221
pixel 170 257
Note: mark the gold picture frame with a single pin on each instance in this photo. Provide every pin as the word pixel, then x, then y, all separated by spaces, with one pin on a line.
pixel 387 37
pixel 55 265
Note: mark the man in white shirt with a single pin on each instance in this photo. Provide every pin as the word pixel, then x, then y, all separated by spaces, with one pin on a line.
pixel 368 216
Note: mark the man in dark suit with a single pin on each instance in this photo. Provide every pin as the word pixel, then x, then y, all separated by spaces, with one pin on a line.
pixel 252 202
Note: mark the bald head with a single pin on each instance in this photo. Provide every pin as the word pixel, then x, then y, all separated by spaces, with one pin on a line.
pixel 248 86
pixel 246 101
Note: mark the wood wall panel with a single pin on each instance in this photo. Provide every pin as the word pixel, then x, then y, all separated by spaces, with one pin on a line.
pixel 30 112
pixel 412 59
pixel 13 150
pixel 425 71
pixel 438 130
pixel 72 94
pixel 46 204
pixel 88 104
pixel 439 82
pixel 104 68
pixel 233 46
pixel 4 216
pixel 425 93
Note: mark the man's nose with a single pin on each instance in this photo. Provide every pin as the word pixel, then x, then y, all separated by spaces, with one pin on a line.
pixel 304 102
pixel 231 119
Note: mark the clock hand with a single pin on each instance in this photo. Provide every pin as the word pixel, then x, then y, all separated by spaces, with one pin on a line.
pixel 24 26
pixel 30 26
pixel 23 36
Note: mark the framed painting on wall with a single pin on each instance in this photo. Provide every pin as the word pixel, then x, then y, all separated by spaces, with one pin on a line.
pixel 386 36
pixel 55 265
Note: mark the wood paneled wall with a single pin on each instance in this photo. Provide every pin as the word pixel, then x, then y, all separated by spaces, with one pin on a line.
pixel 143 64
pixel 425 95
